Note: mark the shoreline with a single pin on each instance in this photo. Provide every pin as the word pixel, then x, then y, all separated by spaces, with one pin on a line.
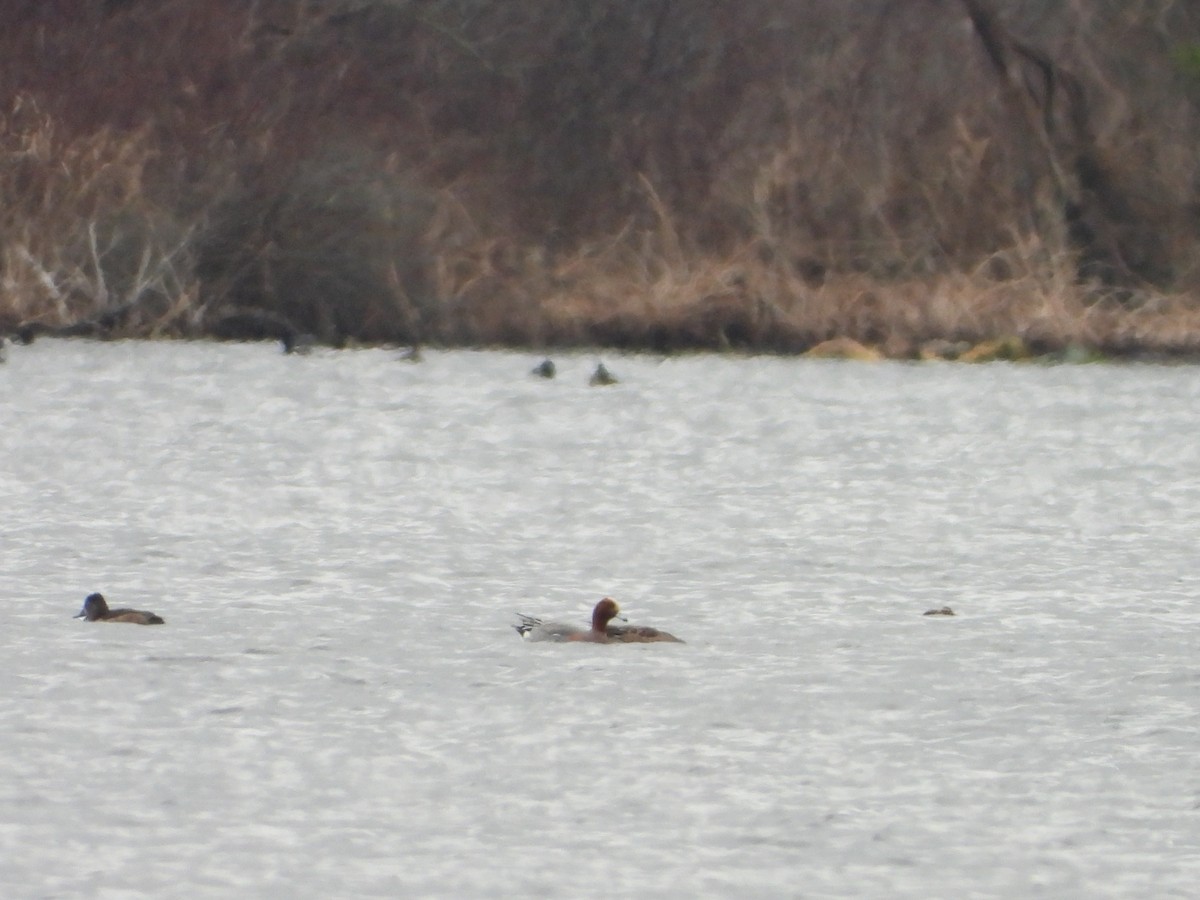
pixel 1003 350
pixel 692 306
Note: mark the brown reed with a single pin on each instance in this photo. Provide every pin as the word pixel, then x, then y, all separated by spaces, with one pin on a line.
pixel 659 176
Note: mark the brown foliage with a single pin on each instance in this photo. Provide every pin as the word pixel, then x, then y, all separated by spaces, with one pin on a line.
pixel 659 174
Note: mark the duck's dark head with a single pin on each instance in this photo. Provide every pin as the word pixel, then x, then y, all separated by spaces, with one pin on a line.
pixel 94 606
pixel 605 611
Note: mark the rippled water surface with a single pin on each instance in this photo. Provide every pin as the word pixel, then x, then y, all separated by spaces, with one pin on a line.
pixel 338 706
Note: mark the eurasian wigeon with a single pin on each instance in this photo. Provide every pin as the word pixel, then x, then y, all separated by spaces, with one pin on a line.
pixel 95 609
pixel 600 633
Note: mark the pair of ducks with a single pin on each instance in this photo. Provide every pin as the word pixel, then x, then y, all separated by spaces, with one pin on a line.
pixel 95 609
pixel 546 369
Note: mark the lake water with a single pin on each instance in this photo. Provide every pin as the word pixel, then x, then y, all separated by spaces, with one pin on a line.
pixel 338 706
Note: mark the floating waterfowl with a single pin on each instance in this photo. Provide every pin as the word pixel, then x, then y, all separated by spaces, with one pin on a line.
pixel 297 343
pixel 601 632
pixel 95 609
pixel 944 611
pixel 602 376
pixel 544 369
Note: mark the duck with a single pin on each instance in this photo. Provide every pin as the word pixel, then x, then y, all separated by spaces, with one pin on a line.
pixel 544 369
pixel 944 611
pixel 602 377
pixel 297 343
pixel 601 632
pixel 95 609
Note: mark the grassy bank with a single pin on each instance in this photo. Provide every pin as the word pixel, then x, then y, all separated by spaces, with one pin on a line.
pixel 917 177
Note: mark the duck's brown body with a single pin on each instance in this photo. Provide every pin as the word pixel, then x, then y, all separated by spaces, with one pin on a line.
pixel 639 634
pixel 95 609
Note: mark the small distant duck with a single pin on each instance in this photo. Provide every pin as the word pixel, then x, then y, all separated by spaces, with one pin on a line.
pixel 944 611
pixel 297 343
pixel 95 609
pixel 602 376
pixel 410 354
pixel 601 632
pixel 544 369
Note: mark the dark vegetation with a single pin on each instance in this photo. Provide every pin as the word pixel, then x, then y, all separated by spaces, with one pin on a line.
pixel 661 174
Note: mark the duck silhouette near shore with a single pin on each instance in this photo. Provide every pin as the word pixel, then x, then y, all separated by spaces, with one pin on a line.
pixel 602 377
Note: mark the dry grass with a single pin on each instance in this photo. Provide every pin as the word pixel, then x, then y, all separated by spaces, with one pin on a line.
pixel 630 297
pixel 80 240
pixel 667 176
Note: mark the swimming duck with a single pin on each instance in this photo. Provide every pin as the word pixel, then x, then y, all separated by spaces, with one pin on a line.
pixel 533 629
pixel 95 609
pixel 944 611
pixel 298 343
pixel 602 376
pixel 544 369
